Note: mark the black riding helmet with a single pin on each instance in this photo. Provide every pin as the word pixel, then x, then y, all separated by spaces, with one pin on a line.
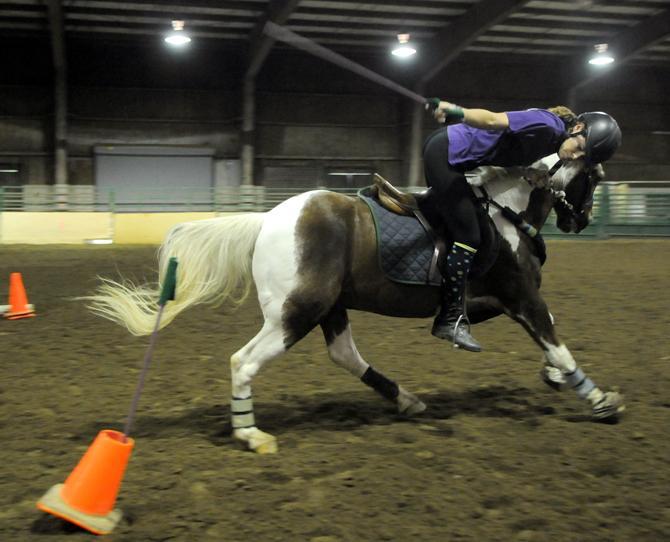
pixel 603 136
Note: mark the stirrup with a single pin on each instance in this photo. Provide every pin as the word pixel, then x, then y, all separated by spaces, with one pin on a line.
pixel 451 332
pixel 461 318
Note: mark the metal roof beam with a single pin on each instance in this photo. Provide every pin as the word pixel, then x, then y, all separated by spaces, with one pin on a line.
pixel 372 18
pixel 398 7
pixel 260 43
pixel 530 13
pixel 154 22
pixel 150 33
pixel 175 10
pixel 452 40
pixel 35 3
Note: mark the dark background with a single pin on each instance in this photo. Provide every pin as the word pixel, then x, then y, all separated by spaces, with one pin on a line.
pixel 312 117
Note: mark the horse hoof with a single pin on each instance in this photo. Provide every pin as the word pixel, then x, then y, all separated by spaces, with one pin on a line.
pixel 269 447
pixel 256 440
pixel 408 403
pixel 609 407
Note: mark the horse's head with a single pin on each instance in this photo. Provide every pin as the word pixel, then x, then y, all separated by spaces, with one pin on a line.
pixel 573 186
pixel 567 187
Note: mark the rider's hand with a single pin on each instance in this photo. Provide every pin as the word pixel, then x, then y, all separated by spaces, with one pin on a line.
pixel 444 111
pixel 448 112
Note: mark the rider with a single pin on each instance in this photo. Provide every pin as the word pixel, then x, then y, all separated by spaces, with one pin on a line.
pixel 479 138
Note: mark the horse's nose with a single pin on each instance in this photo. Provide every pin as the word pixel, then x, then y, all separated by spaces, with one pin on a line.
pixel 582 221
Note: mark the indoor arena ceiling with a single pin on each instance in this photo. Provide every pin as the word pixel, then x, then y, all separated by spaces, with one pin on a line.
pixel 637 30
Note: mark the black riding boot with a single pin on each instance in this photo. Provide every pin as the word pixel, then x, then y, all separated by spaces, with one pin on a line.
pixel 451 322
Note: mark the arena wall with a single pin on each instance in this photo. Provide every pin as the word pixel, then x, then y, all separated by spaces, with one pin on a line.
pixel 150 228
pixel 73 228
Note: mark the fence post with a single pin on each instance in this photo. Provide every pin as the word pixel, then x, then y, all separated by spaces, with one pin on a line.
pixel 111 202
pixel 604 218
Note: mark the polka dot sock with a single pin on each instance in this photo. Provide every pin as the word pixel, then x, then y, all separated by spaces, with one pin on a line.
pixel 458 265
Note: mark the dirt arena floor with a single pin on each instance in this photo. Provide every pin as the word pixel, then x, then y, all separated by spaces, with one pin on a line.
pixel 497 456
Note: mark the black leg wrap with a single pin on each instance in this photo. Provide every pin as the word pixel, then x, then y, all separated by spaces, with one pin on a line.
pixel 382 385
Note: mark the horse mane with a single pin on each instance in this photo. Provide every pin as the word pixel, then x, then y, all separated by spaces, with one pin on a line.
pixel 486 175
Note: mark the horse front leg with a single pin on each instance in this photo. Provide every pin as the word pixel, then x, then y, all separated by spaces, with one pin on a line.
pixel 561 372
pixel 480 309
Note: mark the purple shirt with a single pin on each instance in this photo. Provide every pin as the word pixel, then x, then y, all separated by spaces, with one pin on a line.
pixel 531 135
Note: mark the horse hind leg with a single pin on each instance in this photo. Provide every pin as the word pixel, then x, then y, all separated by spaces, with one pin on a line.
pixel 244 365
pixel 286 322
pixel 343 352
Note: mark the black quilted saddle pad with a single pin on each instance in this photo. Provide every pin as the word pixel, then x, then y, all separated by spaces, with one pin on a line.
pixel 405 248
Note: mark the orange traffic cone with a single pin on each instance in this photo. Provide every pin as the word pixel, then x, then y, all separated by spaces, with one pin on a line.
pixel 18 301
pixel 87 498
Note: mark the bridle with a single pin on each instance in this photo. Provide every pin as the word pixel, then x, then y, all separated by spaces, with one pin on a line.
pixel 560 195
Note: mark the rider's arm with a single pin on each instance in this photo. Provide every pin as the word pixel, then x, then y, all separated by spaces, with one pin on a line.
pixel 477 118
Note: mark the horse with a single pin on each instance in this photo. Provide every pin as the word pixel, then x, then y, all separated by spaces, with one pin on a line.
pixel 314 256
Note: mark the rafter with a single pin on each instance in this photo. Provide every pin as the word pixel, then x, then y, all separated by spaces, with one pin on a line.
pixel 452 40
pixel 260 43
pixel 624 47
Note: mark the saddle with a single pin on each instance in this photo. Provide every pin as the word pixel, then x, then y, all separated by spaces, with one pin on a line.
pixel 396 201
pixel 422 207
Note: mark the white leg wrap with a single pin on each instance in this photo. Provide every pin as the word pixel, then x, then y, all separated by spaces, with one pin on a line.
pixel 574 378
pixel 242 412
pixel 579 382
pixel 560 357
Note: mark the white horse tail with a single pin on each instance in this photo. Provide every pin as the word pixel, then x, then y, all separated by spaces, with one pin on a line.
pixel 214 258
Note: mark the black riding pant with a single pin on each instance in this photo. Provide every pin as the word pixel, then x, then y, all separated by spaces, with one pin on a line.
pixel 455 199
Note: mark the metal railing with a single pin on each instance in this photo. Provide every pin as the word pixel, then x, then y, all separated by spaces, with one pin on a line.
pixel 620 209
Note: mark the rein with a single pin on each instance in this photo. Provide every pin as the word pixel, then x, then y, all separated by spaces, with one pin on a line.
pixel 559 195
pixel 523 226
pixel 533 233
pixel 509 213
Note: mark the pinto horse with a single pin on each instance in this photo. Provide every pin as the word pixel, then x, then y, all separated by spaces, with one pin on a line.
pixel 314 256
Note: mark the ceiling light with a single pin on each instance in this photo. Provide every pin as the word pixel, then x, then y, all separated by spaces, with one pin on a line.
pixel 177 38
pixel 602 57
pixel 404 48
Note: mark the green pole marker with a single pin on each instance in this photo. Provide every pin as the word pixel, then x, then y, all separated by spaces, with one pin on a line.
pixel 169 283
pixel 167 293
